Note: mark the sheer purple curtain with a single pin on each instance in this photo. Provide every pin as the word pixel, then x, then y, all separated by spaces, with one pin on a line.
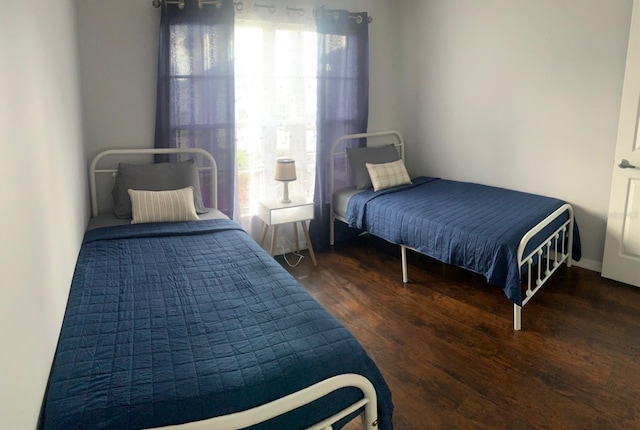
pixel 195 97
pixel 343 102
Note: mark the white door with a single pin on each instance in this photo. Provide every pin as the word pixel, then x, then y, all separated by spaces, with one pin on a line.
pixel 622 246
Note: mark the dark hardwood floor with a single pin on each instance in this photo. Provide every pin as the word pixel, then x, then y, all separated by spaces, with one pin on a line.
pixel 446 346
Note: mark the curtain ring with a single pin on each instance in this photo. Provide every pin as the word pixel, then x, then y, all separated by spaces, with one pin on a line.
pixel 216 3
pixel 239 5
pixel 157 3
pixel 271 8
pixel 293 9
pixel 336 16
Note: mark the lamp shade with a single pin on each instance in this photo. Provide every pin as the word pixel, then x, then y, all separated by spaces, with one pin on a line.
pixel 285 170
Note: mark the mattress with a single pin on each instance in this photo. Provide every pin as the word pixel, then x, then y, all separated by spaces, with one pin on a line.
pixel 175 322
pixel 341 200
pixel 474 226
pixel 110 220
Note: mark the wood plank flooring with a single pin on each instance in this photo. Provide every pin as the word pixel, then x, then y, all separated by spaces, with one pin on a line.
pixel 446 346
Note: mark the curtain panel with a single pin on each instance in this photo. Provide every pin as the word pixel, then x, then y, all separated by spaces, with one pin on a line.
pixel 343 103
pixel 195 95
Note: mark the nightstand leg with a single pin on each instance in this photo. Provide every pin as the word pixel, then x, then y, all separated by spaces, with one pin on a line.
pixel 265 227
pixel 309 245
pixel 274 238
pixel 295 234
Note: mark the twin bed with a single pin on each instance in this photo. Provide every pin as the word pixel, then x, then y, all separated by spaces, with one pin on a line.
pixel 191 324
pixel 502 234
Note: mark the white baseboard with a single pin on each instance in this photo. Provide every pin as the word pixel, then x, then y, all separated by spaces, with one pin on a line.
pixel 585 263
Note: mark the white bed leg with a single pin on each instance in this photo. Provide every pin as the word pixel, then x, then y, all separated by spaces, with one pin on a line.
pixel 403 252
pixel 517 317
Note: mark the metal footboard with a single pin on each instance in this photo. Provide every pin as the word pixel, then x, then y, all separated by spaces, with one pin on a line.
pixel 550 254
pixel 293 401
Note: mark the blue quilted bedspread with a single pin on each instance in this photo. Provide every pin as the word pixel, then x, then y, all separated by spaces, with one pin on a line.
pixel 469 225
pixel 176 322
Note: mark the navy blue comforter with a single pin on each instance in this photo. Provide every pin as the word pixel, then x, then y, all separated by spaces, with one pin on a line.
pixel 469 225
pixel 176 322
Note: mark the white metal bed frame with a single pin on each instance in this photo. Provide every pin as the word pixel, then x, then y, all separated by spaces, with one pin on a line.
pixel 94 171
pixel 550 254
pixel 258 414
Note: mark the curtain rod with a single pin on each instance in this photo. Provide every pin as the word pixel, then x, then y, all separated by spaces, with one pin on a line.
pixel 239 5
pixel 300 11
pixel 336 16
pixel 180 3
pixel 270 7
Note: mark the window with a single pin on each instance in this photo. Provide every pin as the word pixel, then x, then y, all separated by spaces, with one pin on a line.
pixel 276 104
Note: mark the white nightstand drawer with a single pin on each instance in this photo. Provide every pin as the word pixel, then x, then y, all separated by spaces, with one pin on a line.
pixel 280 213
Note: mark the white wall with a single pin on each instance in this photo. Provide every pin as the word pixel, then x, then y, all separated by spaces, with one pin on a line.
pixel 44 196
pixel 118 51
pixel 497 91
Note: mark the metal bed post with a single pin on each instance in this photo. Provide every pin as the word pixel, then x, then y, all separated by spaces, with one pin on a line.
pixel 517 317
pixel 403 253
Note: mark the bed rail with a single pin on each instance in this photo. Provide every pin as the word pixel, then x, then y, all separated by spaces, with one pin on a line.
pixel 94 171
pixel 295 400
pixel 398 141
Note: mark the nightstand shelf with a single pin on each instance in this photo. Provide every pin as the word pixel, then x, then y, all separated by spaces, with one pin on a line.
pixel 275 213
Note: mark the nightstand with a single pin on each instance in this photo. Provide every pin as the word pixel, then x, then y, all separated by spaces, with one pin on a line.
pixel 275 213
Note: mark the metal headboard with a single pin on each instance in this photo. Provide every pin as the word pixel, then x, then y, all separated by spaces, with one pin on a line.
pixel 93 171
pixel 398 142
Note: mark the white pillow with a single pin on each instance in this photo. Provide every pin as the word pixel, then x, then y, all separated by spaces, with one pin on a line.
pixel 388 175
pixel 162 206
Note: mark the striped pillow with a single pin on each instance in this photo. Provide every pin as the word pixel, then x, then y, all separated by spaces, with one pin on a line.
pixel 388 175
pixel 162 206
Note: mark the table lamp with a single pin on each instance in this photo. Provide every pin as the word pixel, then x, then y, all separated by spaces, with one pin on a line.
pixel 285 172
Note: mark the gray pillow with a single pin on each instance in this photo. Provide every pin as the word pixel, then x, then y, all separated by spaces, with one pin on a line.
pixel 154 177
pixel 358 157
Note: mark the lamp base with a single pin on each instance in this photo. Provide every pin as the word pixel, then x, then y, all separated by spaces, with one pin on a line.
pixel 285 194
